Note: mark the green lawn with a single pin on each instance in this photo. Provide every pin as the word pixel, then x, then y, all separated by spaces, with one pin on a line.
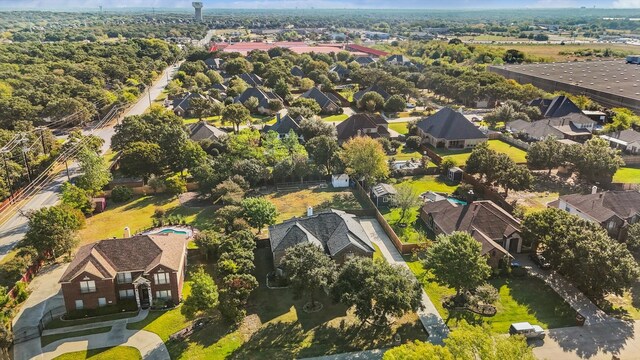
pixel 118 352
pixel 294 203
pixel 406 154
pixel 627 175
pixel 336 118
pixel 378 254
pixel 424 183
pixel 521 299
pixel 137 215
pixel 399 127
pixel 46 340
pixel 213 120
pixel 461 156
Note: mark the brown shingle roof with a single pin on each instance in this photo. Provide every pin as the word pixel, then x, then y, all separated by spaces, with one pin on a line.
pixel 105 258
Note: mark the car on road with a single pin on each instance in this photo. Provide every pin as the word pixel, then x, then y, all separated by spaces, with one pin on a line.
pixel 527 330
pixel 539 260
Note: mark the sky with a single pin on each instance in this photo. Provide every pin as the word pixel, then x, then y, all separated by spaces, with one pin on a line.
pixel 331 4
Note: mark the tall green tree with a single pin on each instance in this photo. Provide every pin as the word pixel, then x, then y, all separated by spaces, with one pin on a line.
pixel 76 198
pixel 309 270
pixel 546 154
pixel 597 161
pixel 456 261
pixel 406 198
pixel 365 159
pixel 324 151
pixel 53 230
pixel 259 212
pixel 203 298
pixel 237 115
pixel 95 172
pixel 141 159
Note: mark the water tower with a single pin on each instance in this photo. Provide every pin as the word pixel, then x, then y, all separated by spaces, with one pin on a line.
pixel 198 6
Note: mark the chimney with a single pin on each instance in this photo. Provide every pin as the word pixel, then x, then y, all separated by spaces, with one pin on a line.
pixel 309 210
pixel 127 232
pixel 594 189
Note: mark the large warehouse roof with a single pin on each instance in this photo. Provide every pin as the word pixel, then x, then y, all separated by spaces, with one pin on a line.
pixel 610 82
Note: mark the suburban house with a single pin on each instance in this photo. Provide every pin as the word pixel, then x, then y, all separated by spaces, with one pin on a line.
pixel 365 60
pixel 251 79
pixel 284 125
pixel 494 228
pixel 203 131
pixel 338 233
pixel 613 210
pixel 181 104
pixel 556 107
pixel 141 268
pixel 329 103
pixel 297 71
pixel 625 140
pixel 264 97
pixel 375 88
pixel 383 194
pixel 399 60
pixel 450 129
pixel 574 126
pixel 342 72
pixel 372 125
pixel 214 63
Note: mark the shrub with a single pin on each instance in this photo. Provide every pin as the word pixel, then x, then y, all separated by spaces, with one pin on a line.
pixel 21 293
pixel 486 294
pixel 159 212
pixel 121 194
pixel 176 185
pixel 413 142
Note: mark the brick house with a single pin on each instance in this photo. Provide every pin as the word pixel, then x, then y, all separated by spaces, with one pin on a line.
pixel 143 267
pixel 495 229
pixel 450 129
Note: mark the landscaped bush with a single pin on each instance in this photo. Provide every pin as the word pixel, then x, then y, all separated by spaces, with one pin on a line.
pixel 121 306
pixel 176 185
pixel 121 194
pixel 159 212
pixel 413 142
pixel 21 293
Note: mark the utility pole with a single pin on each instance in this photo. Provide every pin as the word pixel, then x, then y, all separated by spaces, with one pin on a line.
pixel 149 93
pixel 25 150
pixel 66 165
pixel 7 175
pixel 44 146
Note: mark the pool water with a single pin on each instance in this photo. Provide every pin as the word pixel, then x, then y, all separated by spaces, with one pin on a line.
pixel 172 231
pixel 456 201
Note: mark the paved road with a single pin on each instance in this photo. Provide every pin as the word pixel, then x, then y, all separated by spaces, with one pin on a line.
pixel 13 230
pixel 429 316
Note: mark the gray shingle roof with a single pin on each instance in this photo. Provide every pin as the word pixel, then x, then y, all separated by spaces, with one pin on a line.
pixel 332 230
pixel 383 189
pixel 286 124
pixel 323 99
pixel 628 136
pixel 262 96
pixel 602 206
pixel 184 101
pixel 556 107
pixel 375 88
pixel 450 125
pixel 203 131
pixel 357 123
pixel 297 71
pixel 251 79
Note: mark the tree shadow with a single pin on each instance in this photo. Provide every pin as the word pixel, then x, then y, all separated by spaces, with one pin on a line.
pixel 590 340
pixel 206 336
pixel 144 201
pixel 278 340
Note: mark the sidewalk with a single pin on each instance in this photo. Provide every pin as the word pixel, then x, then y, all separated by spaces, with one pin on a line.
pixel 142 314
pixel 429 316
pixel 574 297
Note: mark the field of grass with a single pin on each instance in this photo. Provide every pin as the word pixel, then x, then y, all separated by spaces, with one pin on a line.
pixel 399 127
pixel 336 118
pixel 461 156
pixel 46 340
pixel 552 51
pixel 426 183
pixel 521 299
pixel 627 175
pixel 118 352
pixel 137 215
pixel 406 154
pixel 294 203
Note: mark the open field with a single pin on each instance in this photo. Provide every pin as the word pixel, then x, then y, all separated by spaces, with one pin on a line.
pixel 461 156
pixel 552 51
pixel 521 299
pixel 294 203
pixel 627 175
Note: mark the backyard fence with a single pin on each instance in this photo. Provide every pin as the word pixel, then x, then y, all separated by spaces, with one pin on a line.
pixel 515 142
pixel 631 160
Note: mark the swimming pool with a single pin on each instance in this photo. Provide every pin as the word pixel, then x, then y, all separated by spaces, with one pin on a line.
pixel 456 201
pixel 171 230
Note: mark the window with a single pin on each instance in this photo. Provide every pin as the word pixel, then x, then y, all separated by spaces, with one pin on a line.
pixel 126 294
pixel 87 286
pixel 611 224
pixel 124 278
pixel 102 302
pixel 163 294
pixel 79 305
pixel 161 278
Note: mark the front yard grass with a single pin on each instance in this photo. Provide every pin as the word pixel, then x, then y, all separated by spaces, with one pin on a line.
pixel 399 127
pixel 627 175
pixel 137 215
pixel 118 352
pixel 460 156
pixel 521 299
pixel 294 203
pixel 48 339
pixel 336 118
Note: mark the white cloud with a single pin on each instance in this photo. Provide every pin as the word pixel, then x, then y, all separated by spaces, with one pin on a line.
pixel 545 4
pixel 628 4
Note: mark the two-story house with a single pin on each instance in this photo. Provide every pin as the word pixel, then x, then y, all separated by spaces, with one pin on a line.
pixel 613 210
pixel 143 267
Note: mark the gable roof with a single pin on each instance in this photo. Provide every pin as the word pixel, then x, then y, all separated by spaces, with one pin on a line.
pixel 556 107
pixel 215 63
pixel 364 60
pixel 323 99
pixel 375 88
pixel 623 137
pixel 262 96
pixel 484 220
pixel 356 123
pixel 251 79
pixel 203 131
pixel 603 206
pixel 450 125
pixel 570 125
pixel 106 258
pixel 183 101
pixel 398 59
pixel 297 71
pixel 383 189
pixel 332 231
pixel 340 70
pixel 285 124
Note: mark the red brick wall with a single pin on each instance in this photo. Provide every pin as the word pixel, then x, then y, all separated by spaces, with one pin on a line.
pixel 174 284
pixel 104 288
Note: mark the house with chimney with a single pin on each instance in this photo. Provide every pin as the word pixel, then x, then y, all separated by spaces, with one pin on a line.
pixel 449 129
pixel 284 125
pixel 372 125
pixel 142 268
pixel 329 103
pixel 615 211
pixel 264 98
pixel 573 126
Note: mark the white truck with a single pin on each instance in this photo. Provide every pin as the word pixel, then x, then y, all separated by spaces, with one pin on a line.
pixel 529 331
